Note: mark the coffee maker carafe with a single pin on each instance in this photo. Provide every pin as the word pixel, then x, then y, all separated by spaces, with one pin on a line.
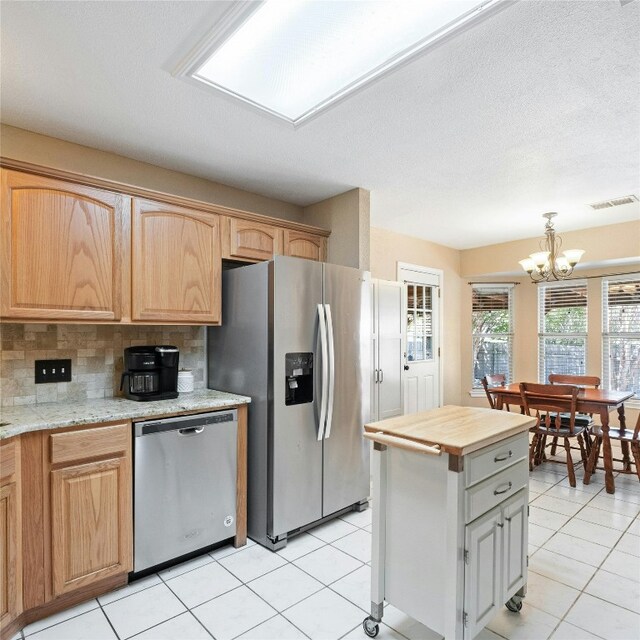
pixel 150 373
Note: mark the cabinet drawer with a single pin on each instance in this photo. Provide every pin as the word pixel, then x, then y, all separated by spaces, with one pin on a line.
pixel 485 462
pixel 490 492
pixel 7 460
pixel 90 443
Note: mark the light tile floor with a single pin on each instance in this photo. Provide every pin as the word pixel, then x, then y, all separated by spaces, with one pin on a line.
pixel 584 582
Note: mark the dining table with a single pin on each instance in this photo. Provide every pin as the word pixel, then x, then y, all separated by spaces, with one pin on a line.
pixel 599 402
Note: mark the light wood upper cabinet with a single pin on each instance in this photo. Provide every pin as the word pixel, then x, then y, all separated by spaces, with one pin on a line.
pixel 91 512
pixel 61 249
pixel 304 245
pixel 176 270
pixel 250 241
pixel 10 547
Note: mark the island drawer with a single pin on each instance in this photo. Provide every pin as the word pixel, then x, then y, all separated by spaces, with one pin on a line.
pixel 485 495
pixel 489 460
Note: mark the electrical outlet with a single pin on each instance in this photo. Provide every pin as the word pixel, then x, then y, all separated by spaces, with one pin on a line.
pixel 53 371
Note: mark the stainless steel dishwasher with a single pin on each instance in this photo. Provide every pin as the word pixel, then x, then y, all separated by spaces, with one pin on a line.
pixel 184 485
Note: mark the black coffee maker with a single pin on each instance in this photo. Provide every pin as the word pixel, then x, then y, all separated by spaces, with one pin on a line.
pixel 150 373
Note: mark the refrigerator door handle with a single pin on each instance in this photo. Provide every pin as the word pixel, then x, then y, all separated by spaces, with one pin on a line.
pixel 322 327
pixel 332 370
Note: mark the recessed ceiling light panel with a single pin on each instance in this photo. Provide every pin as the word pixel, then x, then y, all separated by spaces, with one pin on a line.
pixel 293 58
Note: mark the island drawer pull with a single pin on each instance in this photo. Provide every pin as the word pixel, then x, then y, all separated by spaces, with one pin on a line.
pixel 497 493
pixel 503 457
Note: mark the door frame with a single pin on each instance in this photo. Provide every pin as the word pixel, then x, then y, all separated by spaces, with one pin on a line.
pixel 439 273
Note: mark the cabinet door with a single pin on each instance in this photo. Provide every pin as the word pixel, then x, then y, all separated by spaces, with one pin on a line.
pixel 62 249
pixel 245 240
pixel 9 560
pixel 304 245
pixel 176 273
pixel 514 554
pixel 91 523
pixel 482 580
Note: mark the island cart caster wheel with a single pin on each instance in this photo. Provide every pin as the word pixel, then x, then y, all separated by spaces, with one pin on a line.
pixel 370 627
pixel 514 604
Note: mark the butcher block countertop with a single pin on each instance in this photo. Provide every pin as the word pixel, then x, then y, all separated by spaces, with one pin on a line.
pixel 457 430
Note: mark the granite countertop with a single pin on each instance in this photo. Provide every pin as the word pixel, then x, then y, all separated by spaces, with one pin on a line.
pixel 52 415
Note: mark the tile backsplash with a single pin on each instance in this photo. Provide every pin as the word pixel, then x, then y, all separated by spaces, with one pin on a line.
pixel 96 352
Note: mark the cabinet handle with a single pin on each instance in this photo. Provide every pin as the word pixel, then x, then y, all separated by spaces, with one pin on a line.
pixel 497 493
pixel 503 457
pixel 508 519
pixel 500 524
pixel 381 375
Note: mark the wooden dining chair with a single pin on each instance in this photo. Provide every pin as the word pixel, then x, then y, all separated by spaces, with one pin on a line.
pixel 628 438
pixel 548 402
pixel 494 380
pixel 582 419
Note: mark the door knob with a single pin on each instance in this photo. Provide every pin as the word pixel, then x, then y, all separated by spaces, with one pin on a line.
pixel 406 367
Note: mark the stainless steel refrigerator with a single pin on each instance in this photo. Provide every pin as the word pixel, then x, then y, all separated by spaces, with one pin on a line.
pixel 296 337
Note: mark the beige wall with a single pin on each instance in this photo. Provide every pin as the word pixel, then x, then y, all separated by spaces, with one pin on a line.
pixel 27 146
pixel 347 215
pixel 389 248
pixel 618 244
pixel 612 243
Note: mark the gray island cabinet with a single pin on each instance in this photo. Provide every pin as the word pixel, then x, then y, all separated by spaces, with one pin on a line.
pixel 450 517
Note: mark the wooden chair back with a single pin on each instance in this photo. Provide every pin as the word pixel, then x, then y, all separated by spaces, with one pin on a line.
pixel 581 381
pixel 549 401
pixel 494 380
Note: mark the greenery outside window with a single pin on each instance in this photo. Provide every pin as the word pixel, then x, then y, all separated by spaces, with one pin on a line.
pixel 562 329
pixel 492 330
pixel 621 334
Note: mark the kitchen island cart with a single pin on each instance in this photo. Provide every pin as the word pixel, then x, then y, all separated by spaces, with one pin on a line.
pixel 450 514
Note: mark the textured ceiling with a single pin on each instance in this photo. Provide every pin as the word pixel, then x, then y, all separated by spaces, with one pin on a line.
pixel 535 108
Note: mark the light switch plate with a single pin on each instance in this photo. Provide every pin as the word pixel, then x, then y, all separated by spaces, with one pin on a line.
pixel 52 371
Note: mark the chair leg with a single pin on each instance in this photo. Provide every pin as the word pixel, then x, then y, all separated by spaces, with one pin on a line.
pixel 532 450
pixel 570 469
pixel 587 442
pixel 635 450
pixel 554 445
pixel 583 452
pixel 593 460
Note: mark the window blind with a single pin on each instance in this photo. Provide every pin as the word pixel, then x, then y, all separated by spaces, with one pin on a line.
pixel 492 331
pixel 562 328
pixel 621 334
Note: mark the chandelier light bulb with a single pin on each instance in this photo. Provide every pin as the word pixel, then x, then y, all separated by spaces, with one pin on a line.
pixel 528 265
pixel 540 258
pixel 573 256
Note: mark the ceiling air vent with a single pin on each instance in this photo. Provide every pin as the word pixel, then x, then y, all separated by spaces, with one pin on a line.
pixel 615 202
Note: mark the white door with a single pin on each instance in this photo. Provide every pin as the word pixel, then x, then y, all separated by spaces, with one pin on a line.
pixel 422 297
pixel 388 354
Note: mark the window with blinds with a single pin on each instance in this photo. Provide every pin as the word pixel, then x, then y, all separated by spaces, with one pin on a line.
pixel 492 328
pixel 621 334
pixel 562 329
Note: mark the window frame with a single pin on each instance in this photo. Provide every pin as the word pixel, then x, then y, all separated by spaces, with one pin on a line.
pixel 509 289
pixel 542 335
pixel 608 335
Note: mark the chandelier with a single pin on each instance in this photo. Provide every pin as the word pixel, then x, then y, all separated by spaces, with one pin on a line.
pixel 548 264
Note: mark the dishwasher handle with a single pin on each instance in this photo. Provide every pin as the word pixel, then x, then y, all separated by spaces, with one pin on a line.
pixel 190 431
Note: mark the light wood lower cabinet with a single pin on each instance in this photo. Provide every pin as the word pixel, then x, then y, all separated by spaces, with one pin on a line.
pixel 90 523
pixel 61 249
pixel 177 264
pixel 305 245
pixel 10 538
pixel 91 511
